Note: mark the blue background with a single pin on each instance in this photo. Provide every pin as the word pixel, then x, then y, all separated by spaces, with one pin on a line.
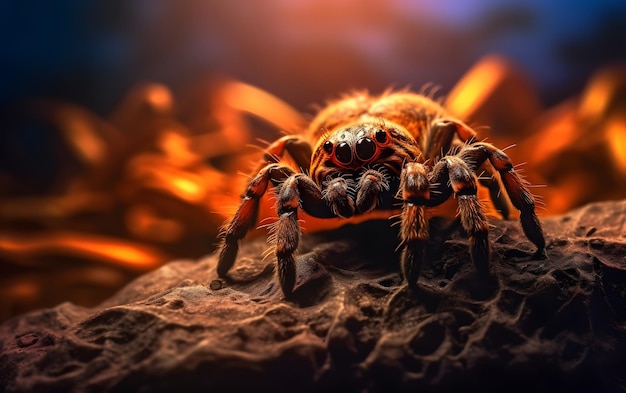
pixel 92 52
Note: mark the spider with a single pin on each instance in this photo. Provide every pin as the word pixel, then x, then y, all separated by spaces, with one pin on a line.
pixel 396 151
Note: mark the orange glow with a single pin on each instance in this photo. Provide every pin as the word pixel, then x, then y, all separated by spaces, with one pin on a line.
pixel 86 143
pixel 601 93
pixel 88 136
pixel 154 172
pixel 92 247
pixel 158 97
pixel 230 102
pixel 478 84
pixel 145 102
pixel 143 222
pixel 566 195
pixel 616 134
pixel 22 290
pixel 187 187
pixel 176 148
pixel 54 207
pixel 167 183
pixel 249 99
pixel 495 93
pixel 558 133
pixel 560 201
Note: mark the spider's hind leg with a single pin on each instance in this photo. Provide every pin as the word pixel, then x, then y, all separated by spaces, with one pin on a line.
pixel 440 141
pixel 517 191
pixel 499 198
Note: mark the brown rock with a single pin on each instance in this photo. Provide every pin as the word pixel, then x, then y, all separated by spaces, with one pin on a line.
pixel 537 325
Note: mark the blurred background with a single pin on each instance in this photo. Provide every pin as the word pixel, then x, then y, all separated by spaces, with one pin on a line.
pixel 124 124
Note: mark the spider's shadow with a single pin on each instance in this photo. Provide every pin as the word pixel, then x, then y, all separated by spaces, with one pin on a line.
pixel 367 250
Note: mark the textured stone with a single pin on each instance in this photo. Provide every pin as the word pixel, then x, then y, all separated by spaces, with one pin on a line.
pixel 536 325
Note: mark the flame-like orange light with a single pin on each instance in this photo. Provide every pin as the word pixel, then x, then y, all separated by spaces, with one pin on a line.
pixel 249 99
pixel 616 134
pixel 476 86
pixel 92 247
pixel 558 133
pixel 142 221
pixel 176 148
pixel 495 93
pixel 601 93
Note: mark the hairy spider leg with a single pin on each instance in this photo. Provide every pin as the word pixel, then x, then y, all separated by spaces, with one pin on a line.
pixel 414 191
pixel 440 141
pixel 450 174
pixel 294 190
pixel 475 155
pixel 465 186
pixel 297 191
pixel 247 213
pixel 371 184
pixel 457 158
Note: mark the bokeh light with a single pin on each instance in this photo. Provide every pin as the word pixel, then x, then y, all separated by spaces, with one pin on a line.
pixel 125 125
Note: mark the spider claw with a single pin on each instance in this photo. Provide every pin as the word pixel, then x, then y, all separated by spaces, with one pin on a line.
pixel 287 274
pixel 227 257
pixel 479 251
pixel 413 255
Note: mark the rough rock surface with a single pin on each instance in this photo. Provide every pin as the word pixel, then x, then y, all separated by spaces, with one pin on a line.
pixel 537 325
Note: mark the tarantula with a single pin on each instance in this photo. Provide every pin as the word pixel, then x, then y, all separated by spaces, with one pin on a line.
pixel 366 152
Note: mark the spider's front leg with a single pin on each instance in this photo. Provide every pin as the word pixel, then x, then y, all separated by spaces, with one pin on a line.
pixel 246 215
pixel 371 184
pixel 441 141
pixel 298 191
pixel 414 192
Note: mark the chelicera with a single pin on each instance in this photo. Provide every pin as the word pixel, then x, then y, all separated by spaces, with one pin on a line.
pixel 399 150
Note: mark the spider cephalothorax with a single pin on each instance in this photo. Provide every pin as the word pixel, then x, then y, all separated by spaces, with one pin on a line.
pixel 365 152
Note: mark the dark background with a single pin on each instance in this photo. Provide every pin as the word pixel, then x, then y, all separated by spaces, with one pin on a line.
pixel 304 51
pixel 92 52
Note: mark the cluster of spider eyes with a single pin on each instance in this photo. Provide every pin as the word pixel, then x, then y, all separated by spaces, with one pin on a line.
pixel 365 148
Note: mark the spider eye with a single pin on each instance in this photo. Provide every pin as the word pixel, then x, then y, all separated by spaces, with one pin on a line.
pixel 365 149
pixel 343 153
pixel 381 136
pixel 328 147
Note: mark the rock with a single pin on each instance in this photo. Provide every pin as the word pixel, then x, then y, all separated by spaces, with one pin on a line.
pixel 536 325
